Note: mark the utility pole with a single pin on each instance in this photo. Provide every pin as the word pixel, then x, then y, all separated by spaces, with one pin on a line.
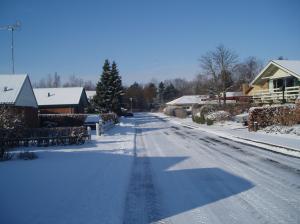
pixel 130 98
pixel 12 28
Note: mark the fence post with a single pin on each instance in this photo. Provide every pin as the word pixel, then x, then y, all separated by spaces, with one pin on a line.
pixel 97 129
pixel 89 132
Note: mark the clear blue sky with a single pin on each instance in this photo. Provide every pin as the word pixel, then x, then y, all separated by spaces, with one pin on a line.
pixel 148 39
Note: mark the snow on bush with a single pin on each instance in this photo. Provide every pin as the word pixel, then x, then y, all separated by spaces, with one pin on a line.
pixel 62 120
pixel 261 117
pixel 295 130
pixel 9 119
pixel 109 117
pixel 218 116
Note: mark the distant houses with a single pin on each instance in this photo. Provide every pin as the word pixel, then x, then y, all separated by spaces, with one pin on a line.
pixel 69 100
pixel 17 94
pixel 278 81
pixel 187 102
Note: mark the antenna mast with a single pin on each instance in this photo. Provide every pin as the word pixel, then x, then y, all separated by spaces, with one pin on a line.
pixel 12 28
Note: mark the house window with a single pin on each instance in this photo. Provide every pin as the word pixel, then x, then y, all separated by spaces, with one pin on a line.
pixel 277 83
pixel 290 81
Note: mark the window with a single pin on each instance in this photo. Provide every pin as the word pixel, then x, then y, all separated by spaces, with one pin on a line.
pixel 277 83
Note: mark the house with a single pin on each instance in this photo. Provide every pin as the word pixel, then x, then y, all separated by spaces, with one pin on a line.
pixel 90 94
pixel 16 93
pixel 187 102
pixel 235 97
pixel 278 82
pixel 69 100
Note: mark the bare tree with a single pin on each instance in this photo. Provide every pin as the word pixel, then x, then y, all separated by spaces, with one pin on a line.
pixel 56 80
pixel 74 82
pixel 246 71
pixel 219 65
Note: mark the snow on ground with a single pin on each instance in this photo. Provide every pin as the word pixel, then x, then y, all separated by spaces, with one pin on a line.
pixel 280 129
pixel 236 131
pixel 70 184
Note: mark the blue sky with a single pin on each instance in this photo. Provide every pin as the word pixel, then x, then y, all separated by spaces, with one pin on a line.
pixel 148 39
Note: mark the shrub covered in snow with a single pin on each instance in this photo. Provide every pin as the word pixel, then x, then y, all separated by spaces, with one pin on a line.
pixel 295 129
pixel 200 119
pixel 209 121
pixel 11 124
pixel 261 117
pixel 218 116
pixel 9 119
pixel 107 117
pixel 181 113
pixel 170 110
pixel 62 120
pixel 27 155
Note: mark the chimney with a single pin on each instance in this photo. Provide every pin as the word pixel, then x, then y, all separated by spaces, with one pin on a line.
pixel 49 94
pixel 5 88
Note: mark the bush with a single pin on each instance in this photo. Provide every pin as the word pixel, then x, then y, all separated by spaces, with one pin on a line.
pixel 27 155
pixel 62 120
pixel 218 116
pixel 199 119
pixel 261 117
pixel 170 110
pixel 4 154
pixel 110 117
pixel 180 112
pixel 209 121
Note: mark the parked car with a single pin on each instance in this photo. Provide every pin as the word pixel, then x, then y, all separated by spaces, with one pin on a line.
pixel 91 120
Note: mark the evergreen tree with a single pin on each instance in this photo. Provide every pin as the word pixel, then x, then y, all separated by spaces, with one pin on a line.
pixel 103 96
pixel 117 89
pixel 109 89
pixel 170 92
pixel 161 92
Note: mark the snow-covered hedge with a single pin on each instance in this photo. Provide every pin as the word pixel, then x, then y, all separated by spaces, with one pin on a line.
pixel 109 117
pixel 9 119
pixel 62 120
pixel 218 116
pixel 261 117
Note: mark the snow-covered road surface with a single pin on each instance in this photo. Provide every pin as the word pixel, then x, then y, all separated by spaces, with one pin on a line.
pixel 183 175
pixel 152 172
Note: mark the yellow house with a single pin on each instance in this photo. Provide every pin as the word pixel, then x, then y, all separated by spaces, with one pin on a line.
pixel 278 82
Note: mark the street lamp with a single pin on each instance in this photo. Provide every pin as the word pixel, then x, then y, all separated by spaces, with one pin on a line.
pixel 130 98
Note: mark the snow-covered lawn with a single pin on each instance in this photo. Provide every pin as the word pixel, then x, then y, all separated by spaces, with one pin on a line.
pixel 237 132
pixel 72 184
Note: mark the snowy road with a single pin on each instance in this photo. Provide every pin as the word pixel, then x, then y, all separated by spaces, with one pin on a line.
pixel 183 175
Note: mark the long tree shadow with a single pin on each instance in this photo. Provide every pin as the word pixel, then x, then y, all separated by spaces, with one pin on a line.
pixel 157 193
pixel 88 178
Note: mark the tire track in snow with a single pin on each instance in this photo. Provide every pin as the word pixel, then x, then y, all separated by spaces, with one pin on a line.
pixel 141 205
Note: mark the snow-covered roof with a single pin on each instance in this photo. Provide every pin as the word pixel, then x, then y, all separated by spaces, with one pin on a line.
pixel 231 94
pixel 188 100
pixel 16 89
pixel 90 94
pixel 59 96
pixel 292 67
